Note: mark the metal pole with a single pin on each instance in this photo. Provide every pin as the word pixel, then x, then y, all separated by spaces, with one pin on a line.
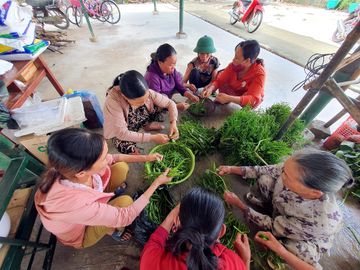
pixel 181 33
pixel 155 12
pixel 93 37
pixel 341 53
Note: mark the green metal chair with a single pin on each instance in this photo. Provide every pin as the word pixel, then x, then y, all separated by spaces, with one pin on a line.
pixel 21 170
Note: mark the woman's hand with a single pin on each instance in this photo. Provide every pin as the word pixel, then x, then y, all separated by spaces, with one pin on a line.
pixel 173 131
pixel 163 178
pixel 191 96
pixel 233 199
pixel 171 221
pixel 192 87
pixel 242 248
pixel 208 90
pixel 154 157
pixel 223 170
pixel 159 138
pixel 182 106
pixel 268 240
pixel 223 98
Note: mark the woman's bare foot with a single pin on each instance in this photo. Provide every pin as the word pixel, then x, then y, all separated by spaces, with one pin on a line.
pixel 154 126
pixel 182 106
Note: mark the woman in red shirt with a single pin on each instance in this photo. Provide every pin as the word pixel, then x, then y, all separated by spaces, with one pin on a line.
pixel 195 244
pixel 242 81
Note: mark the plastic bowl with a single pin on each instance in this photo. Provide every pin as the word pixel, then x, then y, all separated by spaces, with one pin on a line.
pixel 185 150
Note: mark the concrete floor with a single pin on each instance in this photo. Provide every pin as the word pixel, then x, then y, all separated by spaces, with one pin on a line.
pixel 92 66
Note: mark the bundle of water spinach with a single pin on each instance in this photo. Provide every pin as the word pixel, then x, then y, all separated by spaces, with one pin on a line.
pixel 198 138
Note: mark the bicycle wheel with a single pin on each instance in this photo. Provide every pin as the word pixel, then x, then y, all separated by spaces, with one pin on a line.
pixel 78 16
pixel 70 13
pixel 110 11
pixel 61 21
pixel 254 22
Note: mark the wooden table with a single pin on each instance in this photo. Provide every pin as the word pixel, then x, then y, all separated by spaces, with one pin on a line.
pixel 18 97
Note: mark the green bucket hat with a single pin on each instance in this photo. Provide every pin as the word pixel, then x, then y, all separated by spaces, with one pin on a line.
pixel 205 45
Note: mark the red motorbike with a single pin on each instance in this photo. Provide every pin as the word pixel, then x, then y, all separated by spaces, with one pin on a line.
pixel 250 13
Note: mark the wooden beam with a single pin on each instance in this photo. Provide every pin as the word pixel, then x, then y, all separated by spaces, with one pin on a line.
pixel 344 100
pixel 341 53
pixel 337 116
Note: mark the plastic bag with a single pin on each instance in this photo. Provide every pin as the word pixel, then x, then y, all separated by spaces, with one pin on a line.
pixel 142 228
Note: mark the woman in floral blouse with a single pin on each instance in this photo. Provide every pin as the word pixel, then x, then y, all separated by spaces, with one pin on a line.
pixel 305 215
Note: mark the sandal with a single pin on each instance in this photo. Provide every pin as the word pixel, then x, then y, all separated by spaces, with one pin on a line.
pixel 122 236
pixel 120 190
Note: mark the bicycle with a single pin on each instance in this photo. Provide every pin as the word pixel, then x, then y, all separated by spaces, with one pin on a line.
pixel 104 11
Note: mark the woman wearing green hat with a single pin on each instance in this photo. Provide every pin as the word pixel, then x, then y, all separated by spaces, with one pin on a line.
pixel 202 69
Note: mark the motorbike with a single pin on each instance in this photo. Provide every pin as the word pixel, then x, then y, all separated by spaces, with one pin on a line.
pixel 249 12
pixel 49 12
pixel 344 27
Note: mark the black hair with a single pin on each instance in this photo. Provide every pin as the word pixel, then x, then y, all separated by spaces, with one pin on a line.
pixel 132 84
pixel 163 52
pixel 250 49
pixel 70 151
pixel 201 217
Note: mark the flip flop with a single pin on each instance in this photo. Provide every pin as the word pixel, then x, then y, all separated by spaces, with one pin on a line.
pixel 122 236
pixel 120 190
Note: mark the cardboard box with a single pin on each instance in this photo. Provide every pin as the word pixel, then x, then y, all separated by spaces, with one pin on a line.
pixel 36 145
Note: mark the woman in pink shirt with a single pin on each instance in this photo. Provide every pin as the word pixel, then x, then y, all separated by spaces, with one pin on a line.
pixel 195 244
pixel 75 200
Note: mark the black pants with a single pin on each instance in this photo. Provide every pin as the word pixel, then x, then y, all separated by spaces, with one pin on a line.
pixel 198 79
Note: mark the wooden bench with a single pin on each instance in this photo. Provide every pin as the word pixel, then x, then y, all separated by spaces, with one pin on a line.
pixel 17 188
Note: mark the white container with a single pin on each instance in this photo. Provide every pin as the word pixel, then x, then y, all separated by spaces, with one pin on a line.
pixel 5 226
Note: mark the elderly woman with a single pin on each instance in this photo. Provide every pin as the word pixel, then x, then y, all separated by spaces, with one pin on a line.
pixel 305 214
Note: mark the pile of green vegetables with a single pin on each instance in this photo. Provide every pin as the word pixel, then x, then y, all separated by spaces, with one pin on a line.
pixel 212 181
pixel 176 157
pixel 350 153
pixel 198 108
pixel 159 206
pixel 196 137
pixel 233 227
pixel 247 136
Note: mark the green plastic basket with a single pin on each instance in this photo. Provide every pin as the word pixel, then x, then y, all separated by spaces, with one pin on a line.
pixel 184 149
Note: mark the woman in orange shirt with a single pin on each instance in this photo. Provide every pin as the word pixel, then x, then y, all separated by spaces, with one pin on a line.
pixel 242 81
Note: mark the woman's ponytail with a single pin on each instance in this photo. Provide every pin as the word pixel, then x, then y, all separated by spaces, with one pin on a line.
pixel 201 217
pixel 200 255
pixel 48 180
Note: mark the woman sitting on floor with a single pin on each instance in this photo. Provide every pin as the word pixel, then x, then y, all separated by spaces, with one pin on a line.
pixel 163 78
pixel 79 199
pixel 130 105
pixel 305 214
pixel 242 81
pixel 195 243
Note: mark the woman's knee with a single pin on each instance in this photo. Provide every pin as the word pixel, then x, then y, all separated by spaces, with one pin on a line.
pixel 122 201
pixel 119 172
